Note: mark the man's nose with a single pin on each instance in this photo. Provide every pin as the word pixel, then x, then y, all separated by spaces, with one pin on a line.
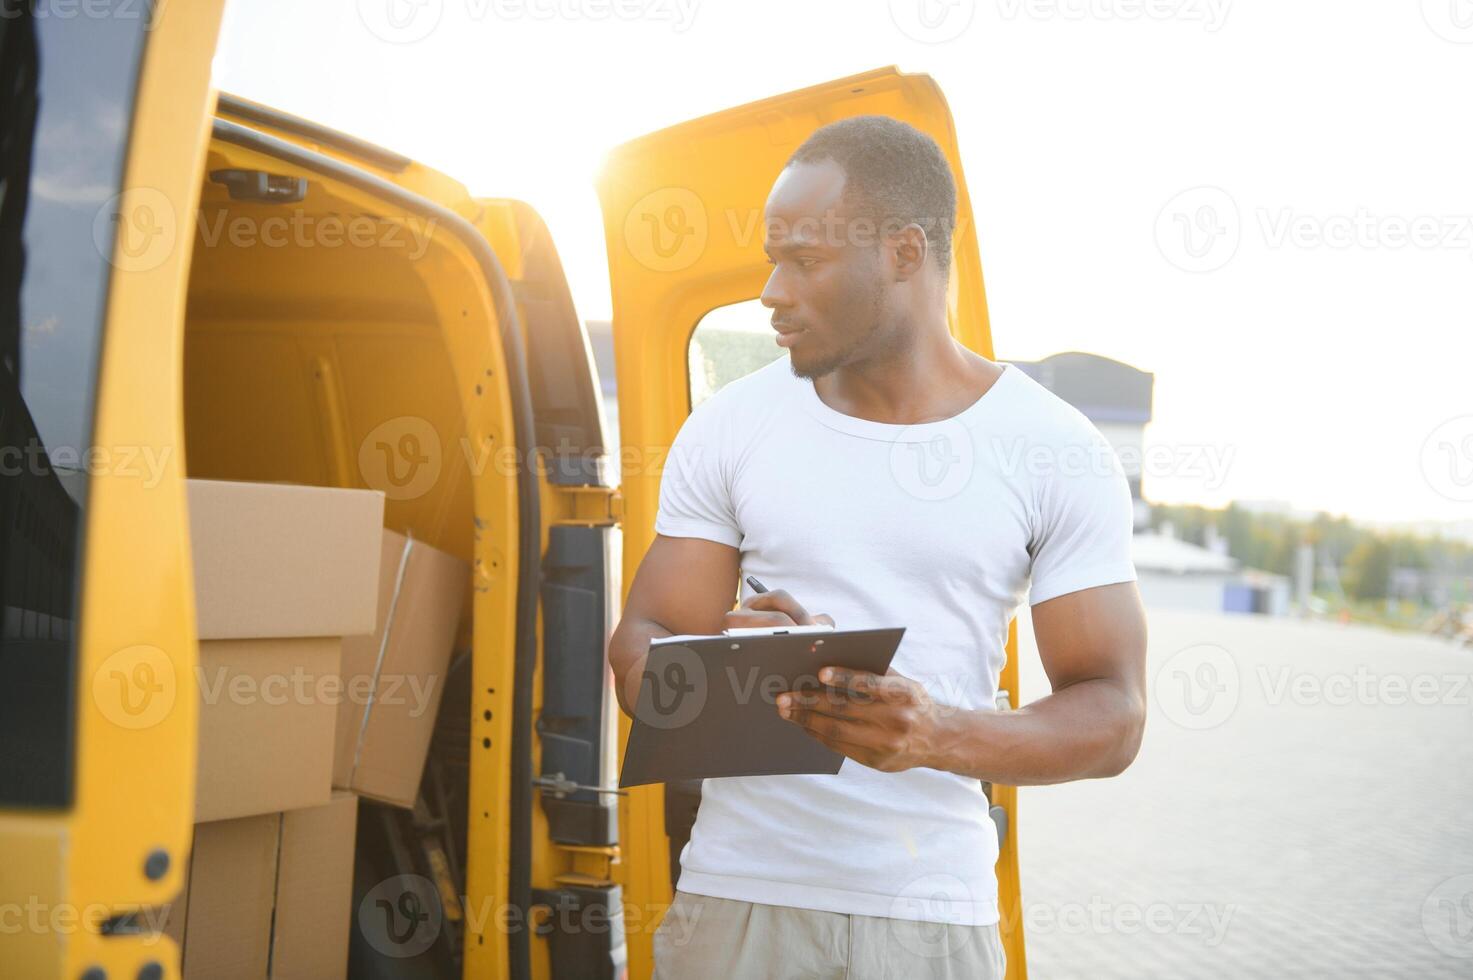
pixel 774 295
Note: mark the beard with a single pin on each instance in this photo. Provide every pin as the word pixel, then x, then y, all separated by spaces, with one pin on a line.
pixel 817 367
pixel 858 345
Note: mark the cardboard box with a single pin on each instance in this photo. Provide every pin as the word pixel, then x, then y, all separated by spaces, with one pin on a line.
pixel 270 895
pixel 231 895
pixel 267 714
pixel 314 891
pixel 279 560
pixel 393 680
pixel 169 919
pixel 281 573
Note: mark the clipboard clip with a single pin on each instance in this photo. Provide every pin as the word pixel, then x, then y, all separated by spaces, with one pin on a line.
pixel 559 786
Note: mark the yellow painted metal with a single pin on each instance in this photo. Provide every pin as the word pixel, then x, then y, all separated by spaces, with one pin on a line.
pixel 1009 888
pixel 503 223
pixel 415 176
pixel 683 229
pixel 135 711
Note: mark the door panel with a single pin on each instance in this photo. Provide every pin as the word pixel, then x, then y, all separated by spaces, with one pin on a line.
pixel 117 838
pixel 683 227
pixel 574 834
pixel 565 395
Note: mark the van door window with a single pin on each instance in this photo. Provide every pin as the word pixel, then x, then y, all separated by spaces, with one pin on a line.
pixel 730 342
pixel 66 91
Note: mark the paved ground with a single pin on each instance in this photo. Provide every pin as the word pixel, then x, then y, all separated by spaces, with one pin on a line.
pixel 1302 807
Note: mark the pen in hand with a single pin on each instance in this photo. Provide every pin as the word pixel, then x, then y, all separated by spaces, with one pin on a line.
pixel 786 606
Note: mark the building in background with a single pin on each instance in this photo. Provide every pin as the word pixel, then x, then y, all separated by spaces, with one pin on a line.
pixel 1114 396
pixel 601 339
pixel 1176 574
pixel 39 518
pixel 1172 574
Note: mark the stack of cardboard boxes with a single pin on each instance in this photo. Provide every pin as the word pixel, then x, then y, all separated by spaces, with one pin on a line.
pixel 324 644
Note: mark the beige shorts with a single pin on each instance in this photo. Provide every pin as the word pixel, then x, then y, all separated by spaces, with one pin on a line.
pixel 702 937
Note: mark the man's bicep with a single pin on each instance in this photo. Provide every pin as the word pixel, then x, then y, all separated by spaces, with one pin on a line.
pixel 1092 634
pixel 686 585
pixel 695 483
pixel 1085 522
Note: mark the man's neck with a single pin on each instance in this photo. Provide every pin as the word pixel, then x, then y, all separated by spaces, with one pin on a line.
pixel 932 379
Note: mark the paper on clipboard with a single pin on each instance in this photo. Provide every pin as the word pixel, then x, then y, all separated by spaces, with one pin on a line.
pixel 707 704
pixel 741 631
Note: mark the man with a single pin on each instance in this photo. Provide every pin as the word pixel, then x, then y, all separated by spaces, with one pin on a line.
pixel 888 475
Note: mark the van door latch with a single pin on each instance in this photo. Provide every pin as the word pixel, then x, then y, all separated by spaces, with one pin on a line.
pixel 561 786
pixel 258 185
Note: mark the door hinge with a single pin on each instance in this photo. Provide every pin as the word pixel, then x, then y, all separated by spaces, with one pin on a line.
pixel 595 505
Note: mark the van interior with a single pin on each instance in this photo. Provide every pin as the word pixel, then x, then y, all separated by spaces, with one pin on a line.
pixel 299 346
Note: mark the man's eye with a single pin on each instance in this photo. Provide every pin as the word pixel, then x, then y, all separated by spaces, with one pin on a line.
pixel 805 262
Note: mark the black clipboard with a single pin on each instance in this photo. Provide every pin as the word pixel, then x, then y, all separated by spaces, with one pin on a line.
pixel 707 705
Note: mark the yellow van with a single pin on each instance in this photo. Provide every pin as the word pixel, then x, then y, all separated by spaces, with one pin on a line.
pixel 436 357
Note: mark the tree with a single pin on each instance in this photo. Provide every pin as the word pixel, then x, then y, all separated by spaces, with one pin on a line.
pixel 1368 569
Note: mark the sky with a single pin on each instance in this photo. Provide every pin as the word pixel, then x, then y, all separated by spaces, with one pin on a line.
pixel 1266 205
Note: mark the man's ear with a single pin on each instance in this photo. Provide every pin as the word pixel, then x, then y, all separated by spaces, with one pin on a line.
pixel 910 247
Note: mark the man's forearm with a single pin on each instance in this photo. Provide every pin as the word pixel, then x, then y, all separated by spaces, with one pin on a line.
pixel 628 648
pixel 1087 730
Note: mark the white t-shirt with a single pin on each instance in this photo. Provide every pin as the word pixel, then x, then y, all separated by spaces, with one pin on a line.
pixel 937 527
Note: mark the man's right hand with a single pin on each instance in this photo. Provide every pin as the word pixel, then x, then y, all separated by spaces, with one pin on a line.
pixel 776 608
pixel 685 585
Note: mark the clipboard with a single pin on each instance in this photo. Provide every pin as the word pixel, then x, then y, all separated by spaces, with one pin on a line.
pixel 707 705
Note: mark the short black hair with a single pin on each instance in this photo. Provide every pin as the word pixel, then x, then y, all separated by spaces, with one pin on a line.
pixel 893 172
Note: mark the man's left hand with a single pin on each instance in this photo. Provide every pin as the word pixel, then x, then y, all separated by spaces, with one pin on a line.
pixel 885 721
